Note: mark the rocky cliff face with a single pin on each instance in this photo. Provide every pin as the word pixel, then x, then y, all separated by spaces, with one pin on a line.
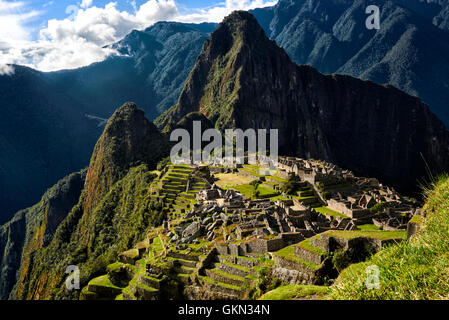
pixel 112 213
pixel 409 50
pixel 244 80
pixel 33 228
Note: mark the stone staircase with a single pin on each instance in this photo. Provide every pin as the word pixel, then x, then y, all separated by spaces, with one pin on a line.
pixel 230 275
pixel 176 189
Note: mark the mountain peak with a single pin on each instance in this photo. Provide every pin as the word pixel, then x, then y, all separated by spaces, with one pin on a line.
pixel 241 21
pixel 244 80
pixel 240 26
pixel 129 138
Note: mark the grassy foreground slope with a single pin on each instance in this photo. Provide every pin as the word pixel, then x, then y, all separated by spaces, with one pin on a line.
pixel 418 269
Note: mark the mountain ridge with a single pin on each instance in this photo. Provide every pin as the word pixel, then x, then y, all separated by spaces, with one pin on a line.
pixel 112 212
pixel 319 116
pixel 409 51
pixel 64 110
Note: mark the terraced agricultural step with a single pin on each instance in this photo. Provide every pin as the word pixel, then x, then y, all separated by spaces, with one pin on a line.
pixel 196 189
pixel 178 180
pixel 224 277
pixel 178 188
pixel 88 295
pixel 120 273
pixel 103 287
pixel 305 251
pixel 321 243
pixel 149 281
pixel 184 256
pixel 185 270
pixel 183 203
pixel 225 290
pixel 128 295
pixel 186 263
pixel 180 209
pixel 234 269
pixel 177 174
pixel 145 292
pixel 246 262
pixel 188 195
pixel 183 278
pixel 286 258
pixel 182 171
pixel 129 257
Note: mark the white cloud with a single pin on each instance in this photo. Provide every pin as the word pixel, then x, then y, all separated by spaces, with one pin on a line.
pixel 216 14
pixel 6 69
pixel 86 4
pixel 78 40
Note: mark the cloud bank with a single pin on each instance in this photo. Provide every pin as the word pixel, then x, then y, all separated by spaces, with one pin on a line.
pixel 78 40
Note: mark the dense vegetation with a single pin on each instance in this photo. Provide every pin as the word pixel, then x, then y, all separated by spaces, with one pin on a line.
pixel 119 221
pixel 34 227
pixel 418 269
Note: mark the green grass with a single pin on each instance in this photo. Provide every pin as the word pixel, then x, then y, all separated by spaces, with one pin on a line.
pixel 307 246
pixel 380 235
pixel 368 227
pixel 414 270
pixel 304 198
pixel 276 178
pixel 333 213
pixel 236 266
pixel 279 198
pixel 292 292
pixel 289 254
pixel 248 191
pixel 227 275
pixel 222 284
pixel 103 281
pixel 127 290
pixel 227 180
pixel 417 220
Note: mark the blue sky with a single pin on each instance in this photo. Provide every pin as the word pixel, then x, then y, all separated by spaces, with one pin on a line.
pixel 57 9
pixel 51 35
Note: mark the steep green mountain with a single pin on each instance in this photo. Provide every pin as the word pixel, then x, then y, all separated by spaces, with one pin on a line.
pixel 113 210
pixel 43 137
pixel 409 51
pixel 34 227
pixel 244 80
pixel 49 122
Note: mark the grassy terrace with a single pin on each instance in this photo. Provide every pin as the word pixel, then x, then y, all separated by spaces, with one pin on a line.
pixel 248 191
pixel 304 198
pixel 103 281
pixel 289 254
pixel 222 284
pixel 369 227
pixel 277 179
pixel 253 172
pixel 380 235
pixel 236 266
pixel 227 180
pixel 307 246
pixel 279 198
pixel 227 275
pixel 325 210
pixel 292 292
